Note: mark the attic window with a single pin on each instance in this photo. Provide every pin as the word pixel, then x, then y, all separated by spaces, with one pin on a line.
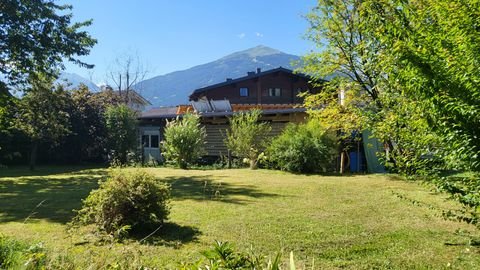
pixel 244 92
pixel 274 92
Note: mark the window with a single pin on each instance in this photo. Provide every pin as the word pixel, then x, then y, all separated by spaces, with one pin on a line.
pixel 244 92
pixel 150 141
pixel 274 92
pixel 146 141
pixel 154 141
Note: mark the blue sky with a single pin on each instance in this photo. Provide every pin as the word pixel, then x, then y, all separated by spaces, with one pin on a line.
pixel 178 34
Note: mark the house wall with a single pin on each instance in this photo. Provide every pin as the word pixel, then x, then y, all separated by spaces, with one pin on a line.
pixel 216 130
pixel 258 93
pixel 151 153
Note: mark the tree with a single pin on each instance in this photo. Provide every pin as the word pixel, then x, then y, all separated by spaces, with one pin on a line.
pixel 36 36
pixel 434 60
pixel 42 114
pixel 121 123
pixel 88 140
pixel 247 136
pixel 127 72
pixel 184 140
pixel 352 49
pixel 423 59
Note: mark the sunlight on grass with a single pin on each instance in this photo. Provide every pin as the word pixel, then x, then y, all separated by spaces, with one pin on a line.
pixel 340 222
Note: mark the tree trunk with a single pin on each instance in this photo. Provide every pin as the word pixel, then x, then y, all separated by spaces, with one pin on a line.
pixel 33 155
pixel 253 164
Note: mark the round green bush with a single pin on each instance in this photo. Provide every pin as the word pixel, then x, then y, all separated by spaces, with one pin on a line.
pixel 302 148
pixel 126 200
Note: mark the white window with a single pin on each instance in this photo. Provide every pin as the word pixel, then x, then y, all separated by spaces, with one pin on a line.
pixel 274 92
pixel 150 141
pixel 244 92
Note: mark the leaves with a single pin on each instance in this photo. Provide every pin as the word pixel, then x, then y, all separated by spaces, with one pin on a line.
pixel 246 137
pixel 36 36
pixel 184 140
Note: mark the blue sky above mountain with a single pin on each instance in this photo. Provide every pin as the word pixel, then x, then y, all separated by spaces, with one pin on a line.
pixel 175 35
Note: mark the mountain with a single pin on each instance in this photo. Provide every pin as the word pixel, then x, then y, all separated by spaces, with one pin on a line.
pixel 174 88
pixel 72 80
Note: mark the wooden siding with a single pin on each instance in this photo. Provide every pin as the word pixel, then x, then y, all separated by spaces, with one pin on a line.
pixel 216 134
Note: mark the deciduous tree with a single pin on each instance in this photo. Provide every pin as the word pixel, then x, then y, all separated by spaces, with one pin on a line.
pixel 247 136
pixel 36 36
pixel 42 114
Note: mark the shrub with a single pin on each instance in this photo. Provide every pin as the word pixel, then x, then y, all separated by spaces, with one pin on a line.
pixel 126 200
pixel 302 148
pixel 121 123
pixel 10 251
pixel 223 255
pixel 246 137
pixel 18 255
pixel 184 141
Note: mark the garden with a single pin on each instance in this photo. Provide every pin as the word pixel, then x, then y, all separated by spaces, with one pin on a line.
pixel 354 221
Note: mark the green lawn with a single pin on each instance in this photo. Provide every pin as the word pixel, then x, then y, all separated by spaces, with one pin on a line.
pixel 358 222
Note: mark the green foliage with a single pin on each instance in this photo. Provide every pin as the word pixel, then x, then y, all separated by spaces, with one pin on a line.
pixel 224 256
pixel 416 149
pixel 247 137
pixel 126 201
pixel 19 255
pixel 88 140
pixel 9 252
pixel 121 123
pixel 42 113
pixel 303 148
pixel 37 36
pixel 466 190
pixel 416 64
pixel 184 140
pixel 436 63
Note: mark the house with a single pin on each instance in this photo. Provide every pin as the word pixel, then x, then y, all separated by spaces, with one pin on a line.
pixel 153 122
pixel 132 98
pixel 274 92
pixel 275 86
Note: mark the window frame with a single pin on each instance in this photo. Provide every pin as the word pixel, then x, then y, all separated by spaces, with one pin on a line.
pixel 246 91
pixel 272 92
pixel 147 141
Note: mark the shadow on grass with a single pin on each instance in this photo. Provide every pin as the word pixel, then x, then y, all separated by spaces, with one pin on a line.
pixel 202 188
pixel 171 235
pixel 24 171
pixel 51 197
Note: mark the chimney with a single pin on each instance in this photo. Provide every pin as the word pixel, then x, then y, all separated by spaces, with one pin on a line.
pixel 229 79
pixel 250 73
pixel 259 70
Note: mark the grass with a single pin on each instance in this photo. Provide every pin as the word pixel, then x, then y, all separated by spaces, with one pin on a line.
pixel 357 222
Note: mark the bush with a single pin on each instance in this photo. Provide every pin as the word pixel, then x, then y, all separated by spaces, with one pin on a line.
pixel 247 137
pixel 126 200
pixel 121 123
pixel 224 255
pixel 184 141
pixel 10 251
pixel 18 255
pixel 302 148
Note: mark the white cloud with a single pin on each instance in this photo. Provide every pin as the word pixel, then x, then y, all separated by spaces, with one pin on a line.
pixel 258 34
pixel 241 35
